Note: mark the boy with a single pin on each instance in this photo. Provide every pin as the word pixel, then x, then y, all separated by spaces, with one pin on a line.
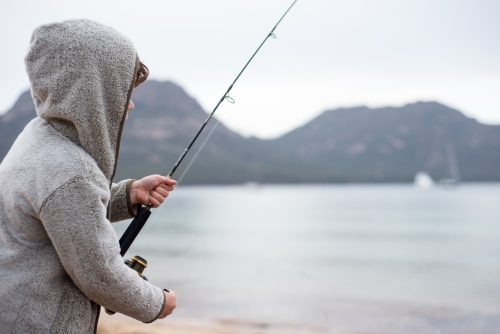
pixel 59 255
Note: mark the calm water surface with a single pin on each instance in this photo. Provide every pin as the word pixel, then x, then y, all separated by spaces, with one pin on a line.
pixel 373 258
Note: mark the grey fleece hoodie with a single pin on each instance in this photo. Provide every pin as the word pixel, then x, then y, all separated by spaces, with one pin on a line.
pixel 59 255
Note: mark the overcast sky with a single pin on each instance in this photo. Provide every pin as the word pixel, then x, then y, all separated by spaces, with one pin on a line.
pixel 328 53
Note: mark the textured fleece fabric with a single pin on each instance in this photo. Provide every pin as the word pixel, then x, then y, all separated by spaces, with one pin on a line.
pixel 59 255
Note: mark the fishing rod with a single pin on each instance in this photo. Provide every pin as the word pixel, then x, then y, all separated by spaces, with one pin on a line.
pixel 144 212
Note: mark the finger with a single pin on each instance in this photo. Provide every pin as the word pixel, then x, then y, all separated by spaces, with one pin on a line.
pixel 165 180
pixel 154 202
pixel 143 198
pixel 158 197
pixel 165 187
pixel 162 191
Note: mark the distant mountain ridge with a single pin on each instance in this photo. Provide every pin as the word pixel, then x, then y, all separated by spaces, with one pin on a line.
pixel 397 141
pixel 342 145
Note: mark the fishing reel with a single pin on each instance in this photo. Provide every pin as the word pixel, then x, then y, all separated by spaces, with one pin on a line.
pixel 138 264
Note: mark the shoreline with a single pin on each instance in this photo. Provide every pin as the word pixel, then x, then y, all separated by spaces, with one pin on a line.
pixel 120 324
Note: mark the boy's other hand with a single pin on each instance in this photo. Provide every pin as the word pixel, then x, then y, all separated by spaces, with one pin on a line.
pixel 170 304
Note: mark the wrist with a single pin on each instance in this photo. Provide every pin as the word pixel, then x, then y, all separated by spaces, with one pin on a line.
pixel 131 197
pixel 133 192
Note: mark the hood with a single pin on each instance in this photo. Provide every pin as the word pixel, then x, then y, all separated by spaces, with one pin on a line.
pixel 82 74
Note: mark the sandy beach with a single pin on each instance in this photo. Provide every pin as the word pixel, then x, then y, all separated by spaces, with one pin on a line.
pixel 119 324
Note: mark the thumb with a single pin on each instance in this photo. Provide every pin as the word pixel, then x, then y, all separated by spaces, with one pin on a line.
pixel 166 180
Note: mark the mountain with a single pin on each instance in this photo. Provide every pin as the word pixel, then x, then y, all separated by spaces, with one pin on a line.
pixel 343 145
pixel 392 144
pixel 14 121
pixel 163 123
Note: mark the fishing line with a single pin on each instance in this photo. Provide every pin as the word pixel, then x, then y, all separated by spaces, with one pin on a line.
pixel 196 154
pixel 143 214
pixel 225 96
pixel 163 206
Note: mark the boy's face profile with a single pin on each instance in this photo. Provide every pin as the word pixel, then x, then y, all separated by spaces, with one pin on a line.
pixel 130 107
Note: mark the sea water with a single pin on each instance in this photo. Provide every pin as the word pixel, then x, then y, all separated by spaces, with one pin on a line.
pixel 331 258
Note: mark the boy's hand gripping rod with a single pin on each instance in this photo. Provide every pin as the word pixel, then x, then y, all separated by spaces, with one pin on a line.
pixel 143 214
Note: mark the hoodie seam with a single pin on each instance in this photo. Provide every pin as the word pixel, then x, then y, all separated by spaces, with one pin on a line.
pixel 57 313
pixel 73 179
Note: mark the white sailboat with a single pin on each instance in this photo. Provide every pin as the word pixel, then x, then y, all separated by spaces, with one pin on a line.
pixel 452 178
pixel 423 180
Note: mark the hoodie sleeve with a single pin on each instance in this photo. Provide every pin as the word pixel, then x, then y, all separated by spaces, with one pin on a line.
pixel 119 204
pixel 74 217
